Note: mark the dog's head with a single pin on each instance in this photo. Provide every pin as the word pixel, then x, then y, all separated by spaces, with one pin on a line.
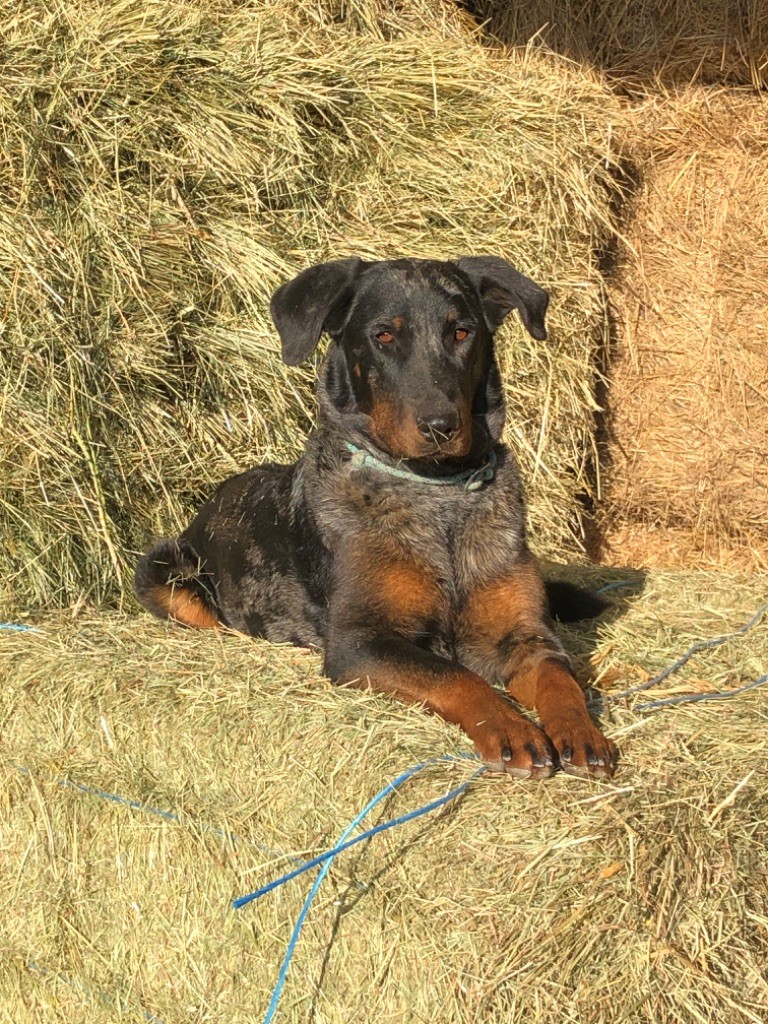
pixel 412 364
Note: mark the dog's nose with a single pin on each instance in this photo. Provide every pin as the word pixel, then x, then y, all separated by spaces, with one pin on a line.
pixel 440 428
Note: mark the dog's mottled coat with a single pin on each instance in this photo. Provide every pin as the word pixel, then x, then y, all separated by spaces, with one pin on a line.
pixel 411 582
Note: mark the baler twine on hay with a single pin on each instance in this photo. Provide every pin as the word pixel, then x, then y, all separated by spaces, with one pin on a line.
pixel 329 855
pixel 344 843
pixel 700 645
pixel 137 805
pixel 326 859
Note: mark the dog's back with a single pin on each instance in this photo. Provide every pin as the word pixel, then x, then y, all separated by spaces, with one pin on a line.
pixel 249 560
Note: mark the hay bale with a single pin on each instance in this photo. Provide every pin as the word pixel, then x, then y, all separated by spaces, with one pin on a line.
pixel 639 900
pixel 167 166
pixel 643 41
pixel 688 438
pixel 389 19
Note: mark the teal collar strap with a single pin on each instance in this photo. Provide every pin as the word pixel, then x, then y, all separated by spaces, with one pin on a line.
pixel 468 479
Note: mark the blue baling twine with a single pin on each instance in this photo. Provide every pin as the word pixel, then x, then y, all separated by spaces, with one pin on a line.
pixel 330 854
pixel 383 827
pixel 700 645
pixel 616 585
pixel 695 698
pixel 326 859
pixel 137 805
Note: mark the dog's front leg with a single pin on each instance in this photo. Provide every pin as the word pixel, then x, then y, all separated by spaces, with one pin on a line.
pixel 373 657
pixel 507 636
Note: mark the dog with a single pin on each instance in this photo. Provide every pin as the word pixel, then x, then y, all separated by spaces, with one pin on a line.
pixel 397 543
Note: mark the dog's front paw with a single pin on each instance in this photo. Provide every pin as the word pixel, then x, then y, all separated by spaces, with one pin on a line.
pixel 511 744
pixel 581 748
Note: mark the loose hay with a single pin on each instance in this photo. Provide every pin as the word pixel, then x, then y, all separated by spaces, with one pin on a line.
pixel 644 41
pixel 165 167
pixel 688 441
pixel 642 900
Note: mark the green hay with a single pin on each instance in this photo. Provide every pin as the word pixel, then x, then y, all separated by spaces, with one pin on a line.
pixel 165 167
pixel 642 900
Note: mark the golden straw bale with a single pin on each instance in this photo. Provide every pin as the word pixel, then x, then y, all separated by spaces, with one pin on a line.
pixel 688 448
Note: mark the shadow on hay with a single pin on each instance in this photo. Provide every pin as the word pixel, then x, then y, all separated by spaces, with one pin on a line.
pixel 640 45
pixel 611 259
pixel 619 589
pixel 356 890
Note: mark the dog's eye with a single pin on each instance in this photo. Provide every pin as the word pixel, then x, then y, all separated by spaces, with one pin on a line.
pixel 461 334
pixel 385 337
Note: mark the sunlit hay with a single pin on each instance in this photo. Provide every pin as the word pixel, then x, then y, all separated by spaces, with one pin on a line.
pixel 642 900
pixel 687 477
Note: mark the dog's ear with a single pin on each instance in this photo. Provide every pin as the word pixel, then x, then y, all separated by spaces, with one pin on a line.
pixel 502 289
pixel 302 308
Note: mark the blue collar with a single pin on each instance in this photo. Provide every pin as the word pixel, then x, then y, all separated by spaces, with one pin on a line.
pixel 468 479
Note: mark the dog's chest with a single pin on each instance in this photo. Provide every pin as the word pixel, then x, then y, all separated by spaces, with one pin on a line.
pixel 457 538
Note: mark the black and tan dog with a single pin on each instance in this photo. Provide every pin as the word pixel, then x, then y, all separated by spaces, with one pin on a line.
pixel 397 542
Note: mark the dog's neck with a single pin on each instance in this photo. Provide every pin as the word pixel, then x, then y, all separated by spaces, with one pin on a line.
pixel 471 479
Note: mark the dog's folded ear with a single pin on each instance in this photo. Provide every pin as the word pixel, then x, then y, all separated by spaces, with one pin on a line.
pixel 306 306
pixel 502 289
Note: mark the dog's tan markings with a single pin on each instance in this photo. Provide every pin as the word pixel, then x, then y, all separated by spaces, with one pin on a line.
pixel 517 601
pixel 406 592
pixel 535 672
pixel 559 700
pixel 546 685
pixel 397 591
pixel 394 428
pixel 505 740
pixel 185 607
